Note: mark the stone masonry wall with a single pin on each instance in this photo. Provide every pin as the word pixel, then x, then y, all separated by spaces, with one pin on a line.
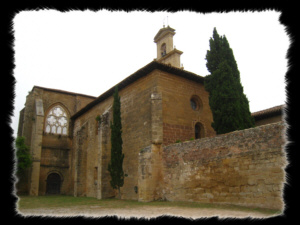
pixel 55 158
pixel 179 118
pixel 243 168
pixel 91 155
pixel 47 147
pixel 139 128
pixel 273 119
pixel 173 133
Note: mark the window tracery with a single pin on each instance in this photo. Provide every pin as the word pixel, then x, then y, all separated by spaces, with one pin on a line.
pixel 56 121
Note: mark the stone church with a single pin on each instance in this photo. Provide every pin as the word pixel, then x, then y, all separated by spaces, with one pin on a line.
pixel 161 103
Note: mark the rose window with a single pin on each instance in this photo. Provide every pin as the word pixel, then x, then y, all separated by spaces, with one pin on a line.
pixel 56 121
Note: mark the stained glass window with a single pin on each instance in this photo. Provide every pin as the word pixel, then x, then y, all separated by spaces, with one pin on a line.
pixel 56 121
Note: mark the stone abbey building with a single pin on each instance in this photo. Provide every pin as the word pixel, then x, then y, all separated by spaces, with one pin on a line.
pixel 161 103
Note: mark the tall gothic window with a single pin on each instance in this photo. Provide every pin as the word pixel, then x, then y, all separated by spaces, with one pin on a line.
pixel 56 121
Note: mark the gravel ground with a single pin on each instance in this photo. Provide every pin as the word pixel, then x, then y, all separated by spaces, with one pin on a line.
pixel 146 212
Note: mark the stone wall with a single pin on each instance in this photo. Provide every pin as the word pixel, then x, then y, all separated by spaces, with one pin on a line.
pixel 243 168
pixel 174 133
pixel 179 118
pixel 36 146
pixel 150 170
pixel 44 147
pixel 55 158
pixel 139 126
pixel 268 120
pixel 86 170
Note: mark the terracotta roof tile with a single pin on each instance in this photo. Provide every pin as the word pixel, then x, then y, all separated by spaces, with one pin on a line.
pixel 276 110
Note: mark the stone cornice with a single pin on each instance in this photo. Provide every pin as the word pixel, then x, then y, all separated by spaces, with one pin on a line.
pixel 163 32
pixel 174 51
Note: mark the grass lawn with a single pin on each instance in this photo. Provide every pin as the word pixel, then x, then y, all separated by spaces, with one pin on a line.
pixel 61 201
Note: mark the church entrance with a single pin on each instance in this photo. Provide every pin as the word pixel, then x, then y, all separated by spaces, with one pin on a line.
pixel 53 184
pixel 199 131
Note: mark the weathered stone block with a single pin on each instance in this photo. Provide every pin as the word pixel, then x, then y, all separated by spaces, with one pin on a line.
pixel 252 181
pixel 235 177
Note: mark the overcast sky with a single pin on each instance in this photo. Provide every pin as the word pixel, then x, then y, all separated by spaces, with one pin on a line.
pixel 89 52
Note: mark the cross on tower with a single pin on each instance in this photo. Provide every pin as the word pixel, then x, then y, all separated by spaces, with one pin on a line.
pixel 164 22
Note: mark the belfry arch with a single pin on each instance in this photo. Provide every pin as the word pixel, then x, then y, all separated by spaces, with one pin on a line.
pixel 163 49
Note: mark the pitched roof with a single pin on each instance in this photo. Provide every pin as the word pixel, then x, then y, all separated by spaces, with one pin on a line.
pixel 144 71
pixel 64 92
pixel 274 111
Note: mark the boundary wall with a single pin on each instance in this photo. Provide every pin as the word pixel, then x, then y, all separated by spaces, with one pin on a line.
pixel 243 168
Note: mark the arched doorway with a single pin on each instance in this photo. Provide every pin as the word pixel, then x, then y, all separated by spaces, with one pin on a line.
pixel 53 184
pixel 199 131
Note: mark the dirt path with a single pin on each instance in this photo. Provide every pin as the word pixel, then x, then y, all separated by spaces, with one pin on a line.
pixel 141 212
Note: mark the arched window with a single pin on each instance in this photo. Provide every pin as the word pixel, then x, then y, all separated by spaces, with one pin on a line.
pixel 199 131
pixel 57 121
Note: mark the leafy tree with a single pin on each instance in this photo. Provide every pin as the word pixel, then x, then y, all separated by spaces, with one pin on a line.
pixel 229 104
pixel 24 159
pixel 115 166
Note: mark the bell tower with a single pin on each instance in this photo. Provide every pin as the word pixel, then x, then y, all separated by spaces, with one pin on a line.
pixel 166 53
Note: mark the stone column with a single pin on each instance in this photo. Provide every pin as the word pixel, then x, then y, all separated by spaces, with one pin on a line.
pixel 36 147
pixel 156 147
pixel 99 163
pixel 150 161
pixel 75 163
pixel 156 119
pixel 80 161
pixel 102 138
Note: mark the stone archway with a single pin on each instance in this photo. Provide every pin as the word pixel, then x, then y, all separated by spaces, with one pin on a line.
pixel 53 184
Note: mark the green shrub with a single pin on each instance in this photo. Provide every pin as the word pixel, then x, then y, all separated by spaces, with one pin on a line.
pixel 24 159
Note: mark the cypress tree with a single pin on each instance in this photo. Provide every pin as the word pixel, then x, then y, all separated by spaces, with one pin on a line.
pixel 229 104
pixel 115 166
